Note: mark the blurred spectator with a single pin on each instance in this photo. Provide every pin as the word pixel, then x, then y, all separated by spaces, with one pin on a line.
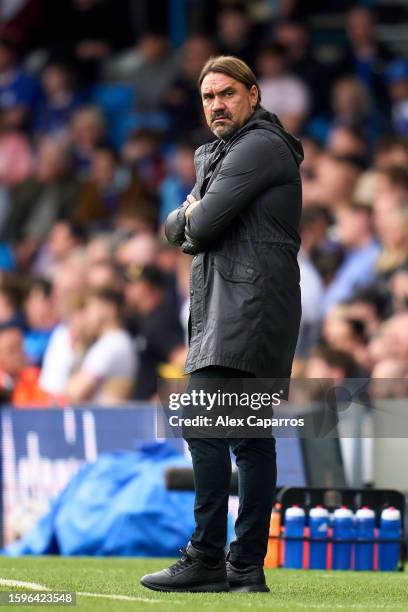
pixel 397 75
pixel 391 343
pixel 365 56
pixel 141 153
pixel 159 333
pixel 180 181
pixel 183 102
pixel 107 372
pixel 347 141
pixel 294 36
pixel 59 358
pixel 391 182
pixel 40 320
pixel 371 306
pixel 108 191
pixel 355 233
pixel 393 234
pixel 351 106
pixel 282 93
pixel 18 383
pixel 87 132
pixel 334 181
pixel 59 101
pixel 390 151
pixel 348 335
pixel 329 363
pixel 18 90
pixel 40 201
pixel 313 228
pixel 137 251
pixel 152 62
pixel 235 35
pixel 63 242
pixel 16 157
pixel 9 304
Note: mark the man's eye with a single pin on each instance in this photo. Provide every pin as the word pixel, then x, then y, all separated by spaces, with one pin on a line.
pixel 230 93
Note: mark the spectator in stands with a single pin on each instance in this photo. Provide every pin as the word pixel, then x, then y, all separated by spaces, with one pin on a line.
pixel 397 76
pixel 351 106
pixel 18 383
pixel 160 337
pixel 391 181
pixel 59 359
pixel 365 56
pixel 18 91
pixel 137 251
pixel 334 181
pixel 40 320
pixel 183 102
pixel 181 179
pixel 64 242
pixel 141 153
pixel 16 156
pixel 371 305
pixel 294 36
pixel 9 304
pixel 355 233
pixel 151 62
pixel 40 201
pixel 348 335
pixel 87 133
pixel 108 191
pixel 108 369
pixel 390 151
pixel 282 93
pixel 347 141
pixel 393 234
pixel 391 342
pixel 235 33
pixel 59 101
pixel 313 228
pixel 331 364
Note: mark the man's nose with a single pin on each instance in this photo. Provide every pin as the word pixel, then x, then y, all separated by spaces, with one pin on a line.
pixel 217 104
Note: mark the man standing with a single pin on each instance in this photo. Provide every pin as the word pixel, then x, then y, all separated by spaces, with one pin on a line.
pixel 241 224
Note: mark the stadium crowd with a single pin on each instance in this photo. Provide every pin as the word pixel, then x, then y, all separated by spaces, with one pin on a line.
pixel 98 130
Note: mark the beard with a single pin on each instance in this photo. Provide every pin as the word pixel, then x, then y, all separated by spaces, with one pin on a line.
pixel 224 130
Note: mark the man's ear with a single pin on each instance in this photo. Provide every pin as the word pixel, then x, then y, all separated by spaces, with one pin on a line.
pixel 254 96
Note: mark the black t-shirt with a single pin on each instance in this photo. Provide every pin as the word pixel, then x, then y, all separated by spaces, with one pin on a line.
pixel 158 334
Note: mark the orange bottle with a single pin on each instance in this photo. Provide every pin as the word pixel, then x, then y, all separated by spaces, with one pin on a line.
pixel 272 558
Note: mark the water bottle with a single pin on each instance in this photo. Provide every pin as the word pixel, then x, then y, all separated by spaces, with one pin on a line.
pixel 294 528
pixel 343 533
pixel 390 529
pixel 364 530
pixel 318 526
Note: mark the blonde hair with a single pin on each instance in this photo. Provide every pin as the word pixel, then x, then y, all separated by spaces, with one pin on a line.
pixel 392 257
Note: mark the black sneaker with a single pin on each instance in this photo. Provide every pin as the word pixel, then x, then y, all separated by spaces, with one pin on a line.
pixel 191 573
pixel 250 579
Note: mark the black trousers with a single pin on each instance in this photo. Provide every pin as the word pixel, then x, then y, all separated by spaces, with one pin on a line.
pixel 256 463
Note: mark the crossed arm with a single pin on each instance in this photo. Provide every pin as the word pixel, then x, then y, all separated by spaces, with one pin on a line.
pixel 250 166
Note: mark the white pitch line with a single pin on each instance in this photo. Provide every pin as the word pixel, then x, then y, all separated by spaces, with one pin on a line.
pixel 35 586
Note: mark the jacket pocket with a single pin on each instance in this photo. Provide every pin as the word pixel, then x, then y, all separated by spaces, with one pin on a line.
pixel 235 271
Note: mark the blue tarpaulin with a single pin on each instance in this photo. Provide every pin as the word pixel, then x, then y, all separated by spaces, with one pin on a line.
pixel 118 505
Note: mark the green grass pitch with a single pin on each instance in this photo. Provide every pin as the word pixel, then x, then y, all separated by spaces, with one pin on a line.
pixel 112 584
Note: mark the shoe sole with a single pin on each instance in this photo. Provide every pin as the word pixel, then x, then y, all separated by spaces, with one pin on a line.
pixel 218 587
pixel 250 588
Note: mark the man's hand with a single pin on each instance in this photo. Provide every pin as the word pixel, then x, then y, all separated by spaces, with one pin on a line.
pixel 190 205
